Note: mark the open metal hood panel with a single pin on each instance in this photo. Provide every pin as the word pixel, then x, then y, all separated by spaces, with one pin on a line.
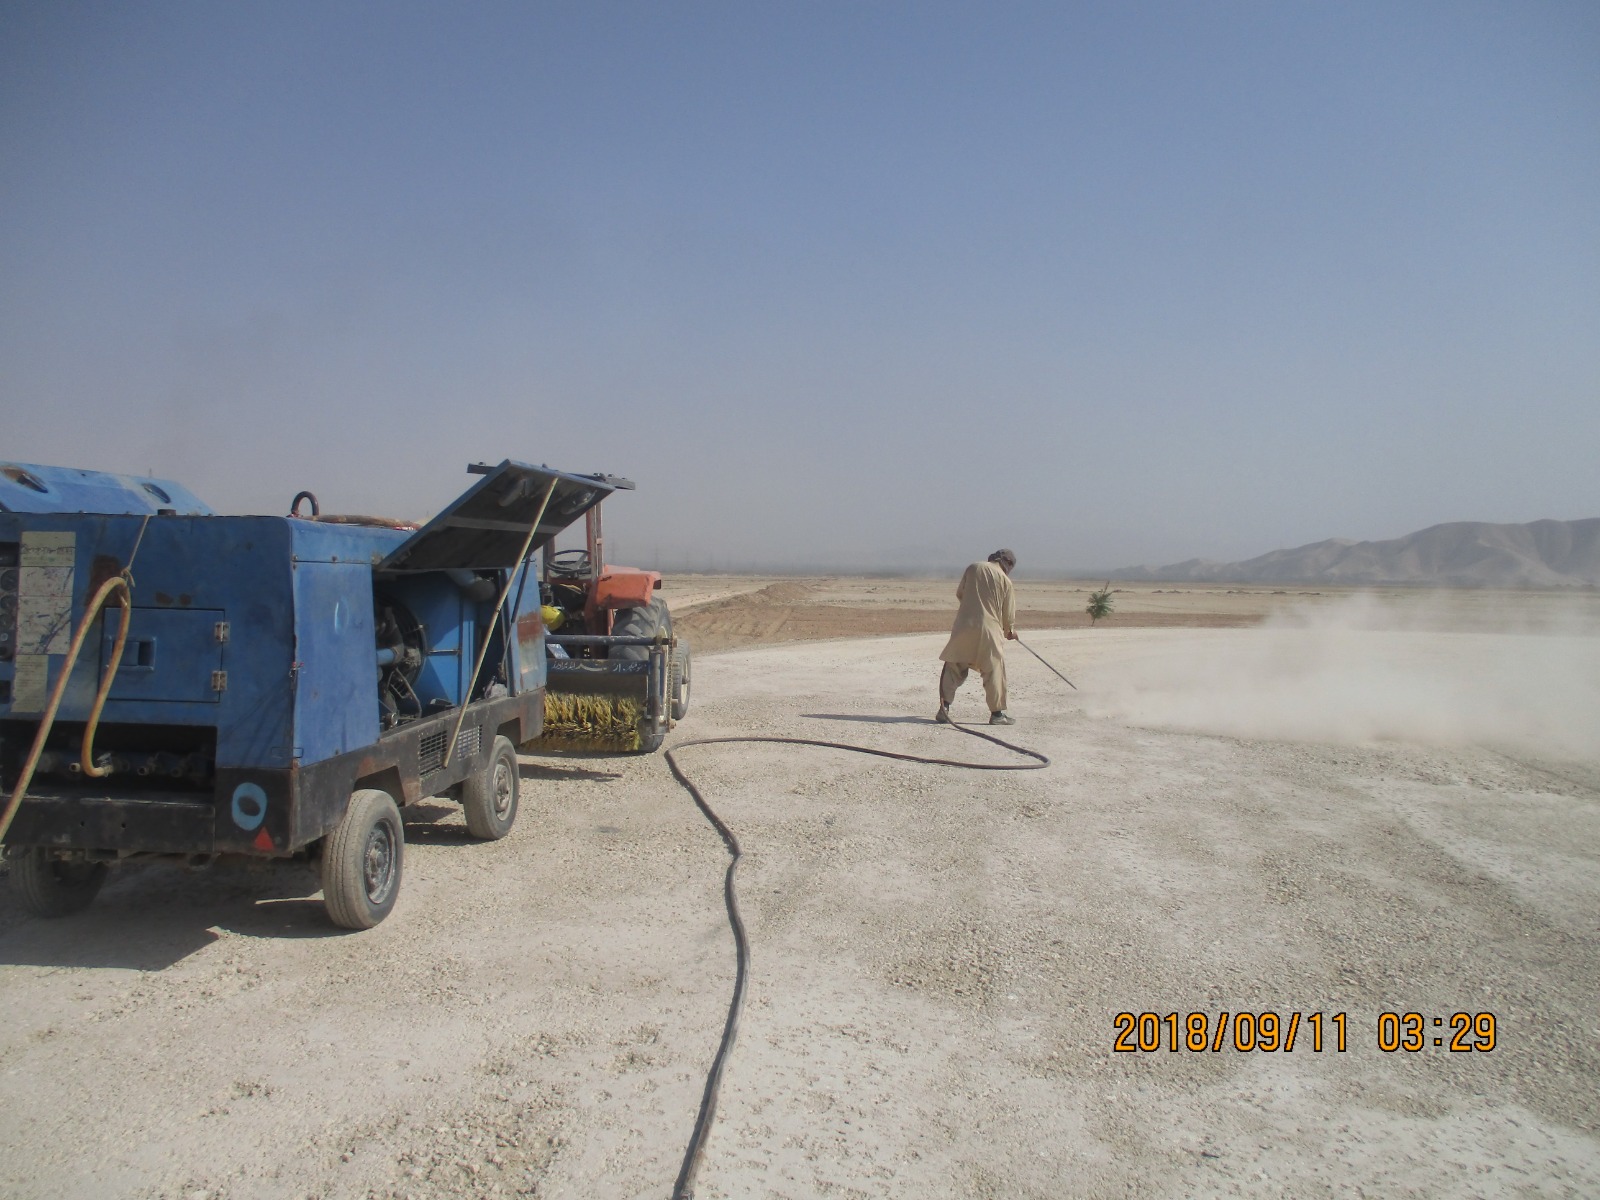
pixel 486 527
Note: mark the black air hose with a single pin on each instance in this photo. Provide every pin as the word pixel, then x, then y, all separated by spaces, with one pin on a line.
pixel 683 1189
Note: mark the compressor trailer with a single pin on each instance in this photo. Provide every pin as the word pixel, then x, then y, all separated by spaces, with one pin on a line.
pixel 174 683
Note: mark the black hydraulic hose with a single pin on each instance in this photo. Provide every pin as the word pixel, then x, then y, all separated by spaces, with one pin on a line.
pixel 683 1189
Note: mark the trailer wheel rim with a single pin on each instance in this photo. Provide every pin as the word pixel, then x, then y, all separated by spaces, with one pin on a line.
pixel 378 863
pixel 505 789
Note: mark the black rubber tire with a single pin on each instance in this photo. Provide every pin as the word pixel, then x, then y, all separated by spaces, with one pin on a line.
pixel 362 861
pixel 489 797
pixel 48 887
pixel 648 621
pixel 678 680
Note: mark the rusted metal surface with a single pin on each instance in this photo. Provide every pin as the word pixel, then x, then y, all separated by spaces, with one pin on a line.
pixel 624 587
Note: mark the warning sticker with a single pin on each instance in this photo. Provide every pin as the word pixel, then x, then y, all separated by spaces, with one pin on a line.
pixel 44 593
pixel 30 683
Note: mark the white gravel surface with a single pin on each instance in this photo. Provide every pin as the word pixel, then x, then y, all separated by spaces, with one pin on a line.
pixel 939 956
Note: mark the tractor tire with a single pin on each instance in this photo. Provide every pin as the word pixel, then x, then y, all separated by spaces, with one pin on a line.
pixel 489 796
pixel 647 621
pixel 678 680
pixel 362 861
pixel 49 887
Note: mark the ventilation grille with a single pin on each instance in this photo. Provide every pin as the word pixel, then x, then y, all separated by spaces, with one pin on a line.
pixel 430 748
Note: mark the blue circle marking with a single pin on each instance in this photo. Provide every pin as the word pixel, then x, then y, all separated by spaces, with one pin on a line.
pixel 249 806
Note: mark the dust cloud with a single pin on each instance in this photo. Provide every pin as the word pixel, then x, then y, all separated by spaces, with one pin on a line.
pixel 1512 673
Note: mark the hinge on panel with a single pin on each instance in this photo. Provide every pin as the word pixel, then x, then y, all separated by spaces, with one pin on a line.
pixel 219 681
pixel 221 631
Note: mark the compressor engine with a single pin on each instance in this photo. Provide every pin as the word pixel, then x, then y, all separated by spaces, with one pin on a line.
pixel 402 647
pixel 427 629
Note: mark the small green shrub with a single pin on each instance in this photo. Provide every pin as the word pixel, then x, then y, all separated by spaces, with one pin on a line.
pixel 1100 603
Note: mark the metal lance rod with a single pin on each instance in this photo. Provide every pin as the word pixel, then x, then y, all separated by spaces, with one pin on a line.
pixel 1036 654
pixel 499 605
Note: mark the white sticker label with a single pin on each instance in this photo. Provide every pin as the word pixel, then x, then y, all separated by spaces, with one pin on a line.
pixel 30 683
pixel 45 549
pixel 44 593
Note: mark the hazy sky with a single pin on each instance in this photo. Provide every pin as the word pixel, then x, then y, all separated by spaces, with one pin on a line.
pixel 842 283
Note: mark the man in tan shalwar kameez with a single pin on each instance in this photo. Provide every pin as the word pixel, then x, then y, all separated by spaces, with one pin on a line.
pixel 987 615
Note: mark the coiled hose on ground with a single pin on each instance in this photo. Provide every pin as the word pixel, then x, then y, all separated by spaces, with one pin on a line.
pixel 683 1189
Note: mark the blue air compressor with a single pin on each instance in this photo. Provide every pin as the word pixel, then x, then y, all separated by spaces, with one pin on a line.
pixel 178 683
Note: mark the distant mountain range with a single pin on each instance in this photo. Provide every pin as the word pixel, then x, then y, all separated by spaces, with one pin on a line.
pixel 1458 554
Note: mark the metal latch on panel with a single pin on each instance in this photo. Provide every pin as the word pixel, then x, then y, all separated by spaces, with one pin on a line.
pixel 219 681
pixel 221 631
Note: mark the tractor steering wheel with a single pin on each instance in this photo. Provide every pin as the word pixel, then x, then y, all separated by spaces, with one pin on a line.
pixel 569 564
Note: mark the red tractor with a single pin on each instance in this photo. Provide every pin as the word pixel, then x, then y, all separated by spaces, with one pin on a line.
pixel 618 679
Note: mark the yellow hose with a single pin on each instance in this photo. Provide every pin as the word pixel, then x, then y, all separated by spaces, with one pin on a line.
pixel 110 676
pixel 117 583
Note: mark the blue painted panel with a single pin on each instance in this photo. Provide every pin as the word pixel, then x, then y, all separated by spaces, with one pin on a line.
pixel 447 617
pixel 189 573
pixel 336 697
pixel 34 489
pixel 171 654
pixel 247 560
pixel 236 569
pixel 316 541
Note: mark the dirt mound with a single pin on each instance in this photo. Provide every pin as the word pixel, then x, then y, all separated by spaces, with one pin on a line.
pixel 782 593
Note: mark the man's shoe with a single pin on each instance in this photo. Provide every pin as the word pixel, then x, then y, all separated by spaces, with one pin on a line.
pixel 1000 718
pixel 943 715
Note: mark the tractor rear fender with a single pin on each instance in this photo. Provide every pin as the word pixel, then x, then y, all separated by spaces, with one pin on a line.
pixel 625 587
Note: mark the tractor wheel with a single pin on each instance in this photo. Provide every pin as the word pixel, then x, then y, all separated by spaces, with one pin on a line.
pixel 489 796
pixel 362 861
pixel 679 680
pixel 51 887
pixel 648 621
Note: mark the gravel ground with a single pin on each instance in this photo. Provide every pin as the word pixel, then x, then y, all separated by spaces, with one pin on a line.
pixel 939 958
